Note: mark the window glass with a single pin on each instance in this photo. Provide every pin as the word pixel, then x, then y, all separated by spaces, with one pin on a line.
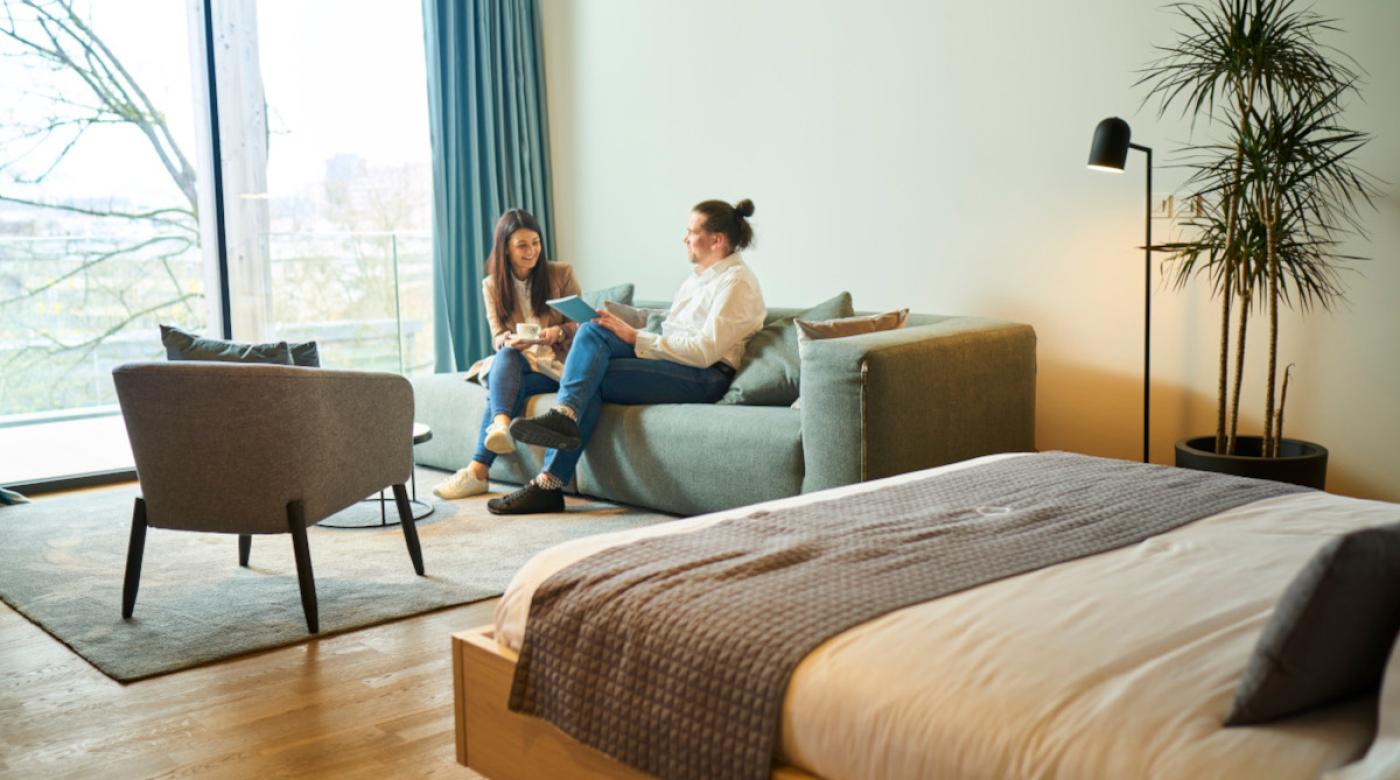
pixel 324 136
pixel 99 217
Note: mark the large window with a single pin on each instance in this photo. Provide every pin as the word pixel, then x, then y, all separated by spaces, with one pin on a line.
pixel 107 224
pixel 99 226
pixel 328 177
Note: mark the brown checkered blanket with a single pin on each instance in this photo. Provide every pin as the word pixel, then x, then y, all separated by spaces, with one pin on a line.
pixel 673 654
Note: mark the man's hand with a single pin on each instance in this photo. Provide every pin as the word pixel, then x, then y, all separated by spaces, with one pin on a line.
pixel 619 328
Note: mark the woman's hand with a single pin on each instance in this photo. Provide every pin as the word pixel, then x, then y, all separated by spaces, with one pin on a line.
pixel 552 335
pixel 619 328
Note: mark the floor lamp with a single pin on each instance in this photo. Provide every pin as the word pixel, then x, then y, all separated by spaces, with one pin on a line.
pixel 1109 153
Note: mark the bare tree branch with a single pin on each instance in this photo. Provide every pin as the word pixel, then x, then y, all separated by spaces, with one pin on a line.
pixel 155 215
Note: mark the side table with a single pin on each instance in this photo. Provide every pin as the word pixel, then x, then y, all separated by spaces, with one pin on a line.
pixel 420 509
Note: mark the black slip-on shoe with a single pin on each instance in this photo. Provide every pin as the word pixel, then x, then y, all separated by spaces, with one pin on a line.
pixel 553 429
pixel 529 500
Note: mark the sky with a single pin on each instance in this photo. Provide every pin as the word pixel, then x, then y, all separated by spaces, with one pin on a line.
pixel 348 82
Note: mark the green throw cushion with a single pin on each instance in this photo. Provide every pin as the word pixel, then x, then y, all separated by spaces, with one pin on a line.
pixel 621 293
pixel 183 345
pixel 769 374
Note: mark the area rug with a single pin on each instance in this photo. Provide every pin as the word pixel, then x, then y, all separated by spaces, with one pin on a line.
pixel 62 561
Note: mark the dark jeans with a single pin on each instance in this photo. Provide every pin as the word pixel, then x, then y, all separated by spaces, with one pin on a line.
pixel 602 367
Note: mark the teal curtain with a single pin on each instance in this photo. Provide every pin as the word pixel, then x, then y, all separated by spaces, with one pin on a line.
pixel 486 105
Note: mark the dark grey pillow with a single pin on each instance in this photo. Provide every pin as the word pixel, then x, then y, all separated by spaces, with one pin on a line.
pixel 183 345
pixel 1331 633
pixel 769 373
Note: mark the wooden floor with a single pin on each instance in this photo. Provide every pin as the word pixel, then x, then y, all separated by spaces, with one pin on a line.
pixel 374 703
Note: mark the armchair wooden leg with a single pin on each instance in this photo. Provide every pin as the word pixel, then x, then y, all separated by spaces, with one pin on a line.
pixel 134 550
pixel 245 547
pixel 297 524
pixel 410 531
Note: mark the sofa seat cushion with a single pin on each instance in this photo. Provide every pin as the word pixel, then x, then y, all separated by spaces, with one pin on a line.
pixel 694 458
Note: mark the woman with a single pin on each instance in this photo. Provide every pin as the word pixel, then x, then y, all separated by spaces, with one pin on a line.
pixel 518 282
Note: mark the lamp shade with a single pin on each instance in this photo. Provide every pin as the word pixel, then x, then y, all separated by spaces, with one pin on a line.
pixel 1110 149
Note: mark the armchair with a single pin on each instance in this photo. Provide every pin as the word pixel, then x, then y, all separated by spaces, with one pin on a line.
pixel 261 449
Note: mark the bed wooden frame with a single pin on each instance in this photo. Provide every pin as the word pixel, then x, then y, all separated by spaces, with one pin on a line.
pixel 504 745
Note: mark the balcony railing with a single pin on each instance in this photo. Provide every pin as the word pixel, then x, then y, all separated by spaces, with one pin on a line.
pixel 73 308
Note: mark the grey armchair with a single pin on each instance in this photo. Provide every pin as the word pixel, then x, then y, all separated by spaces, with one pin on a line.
pixel 261 449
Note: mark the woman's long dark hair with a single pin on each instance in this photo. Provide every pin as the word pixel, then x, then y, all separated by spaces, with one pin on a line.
pixel 498 265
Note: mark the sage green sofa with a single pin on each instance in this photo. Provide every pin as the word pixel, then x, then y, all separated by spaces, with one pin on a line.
pixel 940 390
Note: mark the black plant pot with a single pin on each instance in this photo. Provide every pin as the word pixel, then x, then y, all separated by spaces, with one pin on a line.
pixel 1300 462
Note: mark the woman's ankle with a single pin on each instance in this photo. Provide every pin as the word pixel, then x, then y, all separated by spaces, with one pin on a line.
pixel 478 470
pixel 503 419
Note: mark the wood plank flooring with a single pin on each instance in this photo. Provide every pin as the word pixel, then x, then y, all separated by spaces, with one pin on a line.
pixel 373 703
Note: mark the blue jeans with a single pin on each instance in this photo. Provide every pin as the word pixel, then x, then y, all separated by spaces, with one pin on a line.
pixel 602 367
pixel 508 384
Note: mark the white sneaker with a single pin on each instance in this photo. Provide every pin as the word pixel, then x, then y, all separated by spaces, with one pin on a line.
pixel 461 485
pixel 498 439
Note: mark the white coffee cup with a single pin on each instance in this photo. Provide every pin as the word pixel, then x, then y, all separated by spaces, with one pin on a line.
pixel 529 331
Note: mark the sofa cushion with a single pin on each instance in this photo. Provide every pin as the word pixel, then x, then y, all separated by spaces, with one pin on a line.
pixel 622 293
pixel 814 330
pixel 769 374
pixel 693 458
pixel 183 345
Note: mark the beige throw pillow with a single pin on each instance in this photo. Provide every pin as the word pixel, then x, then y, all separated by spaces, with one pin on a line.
pixel 809 331
pixel 849 326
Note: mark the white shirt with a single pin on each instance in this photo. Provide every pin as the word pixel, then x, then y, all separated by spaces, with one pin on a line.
pixel 540 356
pixel 715 312
pixel 522 300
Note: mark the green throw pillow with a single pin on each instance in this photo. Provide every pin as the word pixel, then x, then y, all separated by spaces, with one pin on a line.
pixel 183 345
pixel 769 373
pixel 621 293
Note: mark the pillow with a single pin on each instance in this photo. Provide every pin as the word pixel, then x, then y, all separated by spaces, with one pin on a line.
pixel 183 345
pixel 1331 633
pixel 809 331
pixel 640 318
pixel 769 374
pixel 622 293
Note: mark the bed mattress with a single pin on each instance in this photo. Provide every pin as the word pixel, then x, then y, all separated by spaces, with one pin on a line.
pixel 1118 665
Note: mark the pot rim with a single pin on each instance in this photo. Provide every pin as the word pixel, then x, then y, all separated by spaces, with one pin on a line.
pixel 1314 449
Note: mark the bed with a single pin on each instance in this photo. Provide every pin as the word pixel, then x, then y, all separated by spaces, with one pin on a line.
pixel 1121 664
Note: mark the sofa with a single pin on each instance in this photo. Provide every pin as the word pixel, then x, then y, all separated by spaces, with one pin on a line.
pixel 939 390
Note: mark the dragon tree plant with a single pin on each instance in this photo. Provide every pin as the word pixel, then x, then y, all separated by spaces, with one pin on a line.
pixel 1277 186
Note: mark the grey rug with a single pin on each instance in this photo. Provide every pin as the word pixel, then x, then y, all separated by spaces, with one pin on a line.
pixel 62 562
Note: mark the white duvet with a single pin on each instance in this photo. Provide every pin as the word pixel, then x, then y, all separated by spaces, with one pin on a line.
pixel 1121 665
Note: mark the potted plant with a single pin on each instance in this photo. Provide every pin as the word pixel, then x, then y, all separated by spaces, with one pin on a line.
pixel 1276 194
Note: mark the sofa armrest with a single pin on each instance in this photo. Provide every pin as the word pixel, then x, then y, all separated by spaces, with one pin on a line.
pixel 896 401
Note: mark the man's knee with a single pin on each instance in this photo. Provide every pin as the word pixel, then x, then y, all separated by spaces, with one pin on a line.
pixel 591 330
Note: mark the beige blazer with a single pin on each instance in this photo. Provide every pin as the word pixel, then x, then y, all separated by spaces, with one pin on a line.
pixel 561 283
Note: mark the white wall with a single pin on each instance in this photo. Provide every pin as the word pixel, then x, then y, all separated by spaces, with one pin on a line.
pixel 931 155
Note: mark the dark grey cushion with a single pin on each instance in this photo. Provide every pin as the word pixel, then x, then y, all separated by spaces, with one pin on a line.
pixel 622 293
pixel 183 345
pixel 769 373
pixel 1331 632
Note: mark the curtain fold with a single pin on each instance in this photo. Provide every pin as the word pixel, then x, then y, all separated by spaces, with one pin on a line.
pixel 490 140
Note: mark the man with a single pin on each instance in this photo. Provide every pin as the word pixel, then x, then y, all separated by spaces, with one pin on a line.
pixel 692 360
